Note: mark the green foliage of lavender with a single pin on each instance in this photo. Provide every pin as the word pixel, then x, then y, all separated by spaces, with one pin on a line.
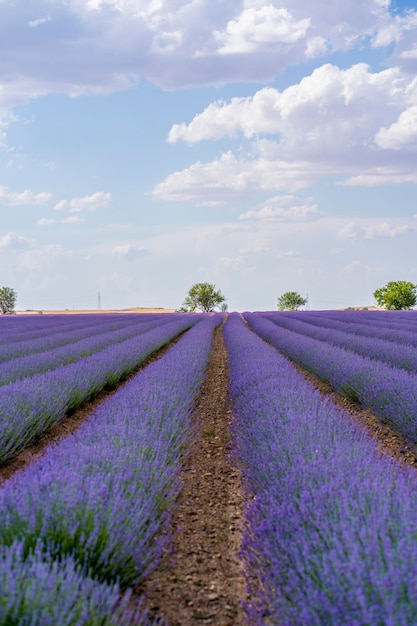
pixel 101 498
pixel 331 532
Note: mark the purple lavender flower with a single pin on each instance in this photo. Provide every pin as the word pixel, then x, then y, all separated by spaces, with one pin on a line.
pixel 29 407
pixel 102 494
pixel 331 526
pixel 390 392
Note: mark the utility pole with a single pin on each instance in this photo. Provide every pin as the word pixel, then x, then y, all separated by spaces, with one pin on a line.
pixel 99 302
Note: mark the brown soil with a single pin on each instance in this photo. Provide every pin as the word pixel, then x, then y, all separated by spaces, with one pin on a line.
pixel 199 580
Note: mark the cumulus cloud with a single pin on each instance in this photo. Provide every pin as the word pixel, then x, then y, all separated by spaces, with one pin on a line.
pixel 100 46
pixel 334 122
pixel 260 26
pixel 401 133
pixel 97 200
pixel 330 106
pixel 26 197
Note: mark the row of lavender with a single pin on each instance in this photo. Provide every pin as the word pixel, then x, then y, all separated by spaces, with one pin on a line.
pixel 79 525
pixel 32 405
pixel 28 329
pixel 331 532
pixel 78 346
pixel 395 353
pixel 16 346
pixel 390 392
pixel 361 323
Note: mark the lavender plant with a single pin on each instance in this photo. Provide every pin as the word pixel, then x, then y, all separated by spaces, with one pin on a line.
pixel 37 590
pixel 102 494
pixel 397 355
pixel 56 335
pixel 331 529
pixel 29 407
pixel 54 357
pixel 361 325
pixel 390 392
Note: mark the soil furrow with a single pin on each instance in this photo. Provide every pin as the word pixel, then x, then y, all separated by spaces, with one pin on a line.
pixel 200 581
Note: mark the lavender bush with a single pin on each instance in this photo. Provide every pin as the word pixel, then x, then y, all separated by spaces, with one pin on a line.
pixel 390 392
pixel 102 494
pixel 56 335
pixel 331 528
pixel 39 591
pixel 397 355
pixel 53 357
pixel 29 407
pixel 358 326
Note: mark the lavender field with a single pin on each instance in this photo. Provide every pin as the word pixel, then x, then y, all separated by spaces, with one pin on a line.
pixel 329 535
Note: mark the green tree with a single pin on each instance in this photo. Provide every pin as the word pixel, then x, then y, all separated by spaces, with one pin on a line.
pixel 204 297
pixel 7 299
pixel 396 295
pixel 291 300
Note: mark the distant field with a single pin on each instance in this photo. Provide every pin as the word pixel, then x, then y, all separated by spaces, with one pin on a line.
pixel 138 309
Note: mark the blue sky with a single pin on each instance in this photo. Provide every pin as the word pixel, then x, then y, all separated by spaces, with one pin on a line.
pixel 265 147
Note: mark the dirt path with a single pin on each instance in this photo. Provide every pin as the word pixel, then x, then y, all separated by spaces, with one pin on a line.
pixel 200 581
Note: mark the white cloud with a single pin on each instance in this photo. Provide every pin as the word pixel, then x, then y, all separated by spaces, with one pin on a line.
pixel 284 208
pixel 14 241
pixel 72 219
pixel 401 133
pixel 97 200
pixel 61 205
pixel 329 107
pixel 39 21
pixel 376 176
pixel 231 178
pixel 316 47
pixel 26 197
pixel 372 230
pixel 258 27
pixel 45 221
pixel 129 251
pixel 394 28
pixel 99 46
pixel 334 122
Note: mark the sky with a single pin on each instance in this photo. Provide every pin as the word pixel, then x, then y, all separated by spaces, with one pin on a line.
pixel 264 147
